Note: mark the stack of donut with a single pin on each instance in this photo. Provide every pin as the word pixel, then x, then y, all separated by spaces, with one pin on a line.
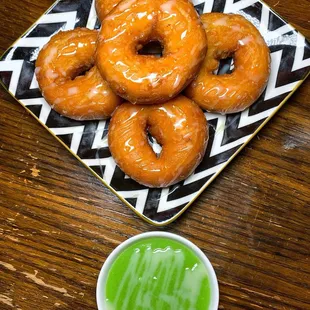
pixel 86 75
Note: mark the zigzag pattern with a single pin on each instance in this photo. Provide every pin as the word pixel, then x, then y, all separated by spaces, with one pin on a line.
pixel 88 140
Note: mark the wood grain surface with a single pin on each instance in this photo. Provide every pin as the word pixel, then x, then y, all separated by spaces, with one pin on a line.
pixel 58 223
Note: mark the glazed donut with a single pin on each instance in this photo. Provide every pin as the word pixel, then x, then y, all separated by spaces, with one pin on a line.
pixel 147 79
pixel 231 35
pixel 104 7
pixel 60 62
pixel 178 125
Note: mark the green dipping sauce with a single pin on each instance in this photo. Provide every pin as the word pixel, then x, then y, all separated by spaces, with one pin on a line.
pixel 157 274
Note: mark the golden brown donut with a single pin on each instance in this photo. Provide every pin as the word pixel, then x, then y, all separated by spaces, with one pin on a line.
pixel 231 35
pixel 104 7
pixel 178 125
pixel 60 62
pixel 147 79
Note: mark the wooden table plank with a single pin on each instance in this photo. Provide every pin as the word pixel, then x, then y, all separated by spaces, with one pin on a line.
pixel 58 223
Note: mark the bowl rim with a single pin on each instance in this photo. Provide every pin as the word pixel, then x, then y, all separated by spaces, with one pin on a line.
pixel 214 302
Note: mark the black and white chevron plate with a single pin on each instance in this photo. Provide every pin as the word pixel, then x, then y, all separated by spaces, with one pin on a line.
pixel 290 54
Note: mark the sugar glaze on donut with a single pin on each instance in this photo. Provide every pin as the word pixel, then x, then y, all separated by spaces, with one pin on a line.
pixel 178 125
pixel 231 35
pixel 147 79
pixel 60 62
pixel 104 7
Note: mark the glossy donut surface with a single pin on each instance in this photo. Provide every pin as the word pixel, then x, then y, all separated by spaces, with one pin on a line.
pixel 231 35
pixel 147 79
pixel 104 7
pixel 179 126
pixel 58 66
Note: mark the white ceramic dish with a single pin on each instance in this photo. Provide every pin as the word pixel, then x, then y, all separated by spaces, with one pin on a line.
pixel 214 295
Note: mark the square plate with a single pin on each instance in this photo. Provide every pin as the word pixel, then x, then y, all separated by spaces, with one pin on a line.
pixel 290 54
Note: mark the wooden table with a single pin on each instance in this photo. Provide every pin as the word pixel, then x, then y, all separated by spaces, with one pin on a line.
pixel 58 223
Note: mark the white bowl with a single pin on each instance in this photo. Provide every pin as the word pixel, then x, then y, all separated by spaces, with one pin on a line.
pixel 214 297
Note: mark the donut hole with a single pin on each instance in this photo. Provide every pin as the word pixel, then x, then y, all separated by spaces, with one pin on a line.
pixel 225 66
pixel 153 48
pixel 81 71
pixel 154 144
